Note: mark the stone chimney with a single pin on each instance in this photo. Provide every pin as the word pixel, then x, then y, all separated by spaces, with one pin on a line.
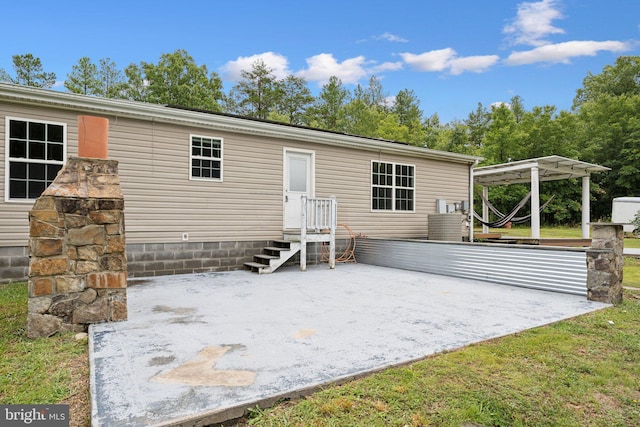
pixel 78 264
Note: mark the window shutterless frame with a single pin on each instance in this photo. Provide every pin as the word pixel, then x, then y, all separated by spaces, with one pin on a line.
pixel 392 187
pixel 35 150
pixel 205 158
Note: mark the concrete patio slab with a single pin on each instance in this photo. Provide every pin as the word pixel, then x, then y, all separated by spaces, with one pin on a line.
pixel 635 252
pixel 199 349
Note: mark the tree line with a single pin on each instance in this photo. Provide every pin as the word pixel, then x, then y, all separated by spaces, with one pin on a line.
pixel 602 127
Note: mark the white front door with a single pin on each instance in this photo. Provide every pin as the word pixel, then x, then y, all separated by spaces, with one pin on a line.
pixel 298 182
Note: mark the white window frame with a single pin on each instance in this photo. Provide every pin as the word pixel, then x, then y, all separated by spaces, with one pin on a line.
pixel 7 159
pixel 393 187
pixel 220 159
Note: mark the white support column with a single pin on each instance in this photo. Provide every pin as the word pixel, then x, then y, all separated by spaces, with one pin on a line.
pixel 535 203
pixel 485 209
pixel 586 207
pixel 303 235
pixel 333 208
pixel 470 213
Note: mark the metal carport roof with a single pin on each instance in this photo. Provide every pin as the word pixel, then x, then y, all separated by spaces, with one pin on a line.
pixel 549 168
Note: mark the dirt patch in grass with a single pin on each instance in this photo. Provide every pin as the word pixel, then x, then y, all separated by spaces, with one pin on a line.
pixel 79 400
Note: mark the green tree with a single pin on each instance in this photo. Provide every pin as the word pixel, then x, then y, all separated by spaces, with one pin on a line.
pixel 454 137
pixel 433 131
pixel 135 88
pixel 362 119
pixel 517 108
pixel 295 99
pixel 612 132
pixel 503 138
pixel 28 72
pixel 608 109
pixel 406 107
pixel 390 128
pixel 110 79
pixel 328 112
pixel 477 123
pixel 367 110
pixel 622 78
pixel 83 78
pixel 374 94
pixel 257 93
pixel 177 80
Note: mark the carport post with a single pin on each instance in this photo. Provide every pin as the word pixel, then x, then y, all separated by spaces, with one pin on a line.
pixel 471 208
pixel 535 203
pixel 586 214
pixel 485 209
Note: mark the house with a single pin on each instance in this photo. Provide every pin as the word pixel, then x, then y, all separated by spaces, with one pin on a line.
pixel 205 191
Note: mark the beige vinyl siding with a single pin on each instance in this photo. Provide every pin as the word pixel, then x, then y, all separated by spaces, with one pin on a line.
pixel 161 202
pixel 14 216
pixel 347 175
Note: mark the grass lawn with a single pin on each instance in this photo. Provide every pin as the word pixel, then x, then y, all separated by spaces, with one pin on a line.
pixel 43 370
pixel 583 371
pixel 631 273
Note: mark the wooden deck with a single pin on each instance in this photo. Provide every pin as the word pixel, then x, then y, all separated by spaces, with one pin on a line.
pixel 544 241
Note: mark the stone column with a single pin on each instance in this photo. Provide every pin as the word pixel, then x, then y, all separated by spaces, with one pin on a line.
pixel 605 262
pixel 78 264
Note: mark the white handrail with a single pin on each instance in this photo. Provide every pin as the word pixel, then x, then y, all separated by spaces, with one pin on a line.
pixel 318 215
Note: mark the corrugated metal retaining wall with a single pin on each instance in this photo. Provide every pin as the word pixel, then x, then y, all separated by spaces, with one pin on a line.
pixel 553 269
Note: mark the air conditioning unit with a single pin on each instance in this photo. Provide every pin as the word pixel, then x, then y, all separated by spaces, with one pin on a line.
pixel 445 227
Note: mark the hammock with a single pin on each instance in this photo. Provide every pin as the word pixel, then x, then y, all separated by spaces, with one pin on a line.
pixel 501 222
pixel 513 219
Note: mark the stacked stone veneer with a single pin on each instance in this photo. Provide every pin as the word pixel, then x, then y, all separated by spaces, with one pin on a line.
pixel 605 262
pixel 77 267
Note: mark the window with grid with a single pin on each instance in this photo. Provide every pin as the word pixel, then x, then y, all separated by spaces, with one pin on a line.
pixel 392 187
pixel 35 154
pixel 206 158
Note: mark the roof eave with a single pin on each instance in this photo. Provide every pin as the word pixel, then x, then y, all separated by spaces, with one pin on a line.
pixel 161 113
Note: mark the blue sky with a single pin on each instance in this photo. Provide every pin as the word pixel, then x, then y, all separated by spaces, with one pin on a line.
pixel 453 54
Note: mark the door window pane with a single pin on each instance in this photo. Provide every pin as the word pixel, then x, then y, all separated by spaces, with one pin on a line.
pixel 297 174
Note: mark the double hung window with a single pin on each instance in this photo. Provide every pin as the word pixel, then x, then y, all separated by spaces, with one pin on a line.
pixel 35 152
pixel 392 187
pixel 206 158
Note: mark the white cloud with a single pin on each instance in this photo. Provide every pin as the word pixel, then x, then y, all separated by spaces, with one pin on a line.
pixel 533 22
pixel 448 59
pixel 499 104
pixel 390 101
pixel 434 60
pixel 475 64
pixel 385 66
pixel 321 67
pixel 232 70
pixel 390 38
pixel 387 36
pixel 563 52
